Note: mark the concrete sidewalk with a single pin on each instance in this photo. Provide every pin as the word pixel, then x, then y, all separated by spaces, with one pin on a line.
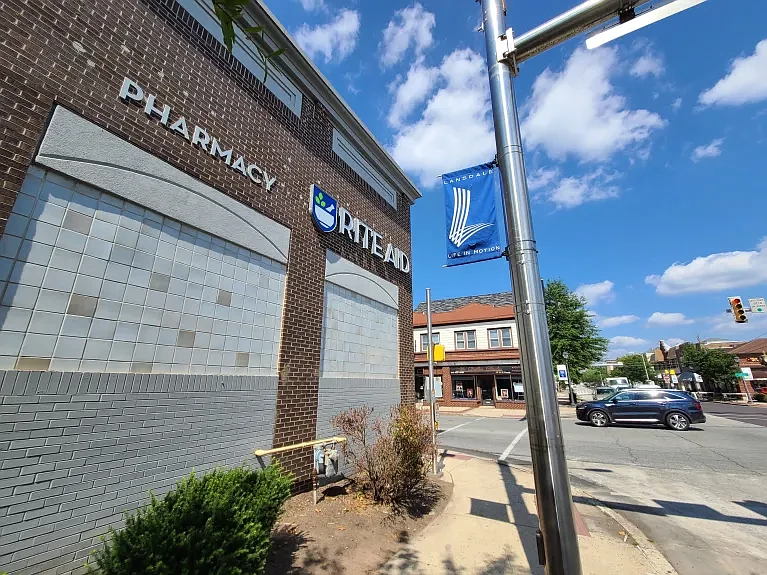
pixel 489 528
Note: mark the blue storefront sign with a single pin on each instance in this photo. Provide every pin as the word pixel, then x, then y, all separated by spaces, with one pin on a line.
pixel 471 222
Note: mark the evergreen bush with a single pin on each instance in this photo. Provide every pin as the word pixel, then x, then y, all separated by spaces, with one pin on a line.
pixel 219 523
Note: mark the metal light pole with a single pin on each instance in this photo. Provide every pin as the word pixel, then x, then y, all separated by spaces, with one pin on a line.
pixel 557 535
pixel 432 399
pixel 552 483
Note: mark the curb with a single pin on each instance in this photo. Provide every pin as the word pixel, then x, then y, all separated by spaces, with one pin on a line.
pixel 660 564
pixel 651 552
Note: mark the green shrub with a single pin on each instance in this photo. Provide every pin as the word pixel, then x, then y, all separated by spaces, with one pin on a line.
pixel 219 523
pixel 760 397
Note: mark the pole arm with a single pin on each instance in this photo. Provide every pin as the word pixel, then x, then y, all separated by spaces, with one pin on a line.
pixel 575 21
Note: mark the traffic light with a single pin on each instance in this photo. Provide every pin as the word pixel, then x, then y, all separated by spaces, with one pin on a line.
pixel 738 312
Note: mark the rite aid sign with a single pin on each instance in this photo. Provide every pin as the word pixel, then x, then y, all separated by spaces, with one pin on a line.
pixel 328 217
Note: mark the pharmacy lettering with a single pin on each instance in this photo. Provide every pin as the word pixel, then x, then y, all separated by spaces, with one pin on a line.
pixel 328 216
pixel 132 92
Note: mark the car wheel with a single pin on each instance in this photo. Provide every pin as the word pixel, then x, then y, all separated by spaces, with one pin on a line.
pixel 598 418
pixel 678 422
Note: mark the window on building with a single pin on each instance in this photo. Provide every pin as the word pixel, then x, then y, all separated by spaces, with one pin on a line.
pixel 466 339
pixel 425 339
pixel 500 337
pixel 464 388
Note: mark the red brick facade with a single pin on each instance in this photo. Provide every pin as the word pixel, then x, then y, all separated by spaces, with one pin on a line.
pixel 75 53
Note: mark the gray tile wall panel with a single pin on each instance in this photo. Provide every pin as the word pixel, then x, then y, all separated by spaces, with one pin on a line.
pixel 78 449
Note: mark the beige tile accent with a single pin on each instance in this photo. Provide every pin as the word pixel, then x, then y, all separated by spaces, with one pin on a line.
pixel 77 222
pixel 82 305
pixel 185 338
pixel 33 364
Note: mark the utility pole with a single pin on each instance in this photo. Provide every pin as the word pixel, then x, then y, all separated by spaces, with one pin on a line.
pixel 557 539
pixel 644 363
pixel 432 399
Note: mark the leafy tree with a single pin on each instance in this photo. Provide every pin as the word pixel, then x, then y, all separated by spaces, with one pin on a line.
pixel 229 14
pixel 571 329
pixel 715 366
pixel 633 368
pixel 593 375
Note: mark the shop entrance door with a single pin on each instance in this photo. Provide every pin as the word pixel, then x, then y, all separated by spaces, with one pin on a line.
pixel 485 384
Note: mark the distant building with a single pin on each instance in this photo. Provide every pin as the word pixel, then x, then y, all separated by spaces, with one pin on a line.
pixel 752 355
pixel 481 351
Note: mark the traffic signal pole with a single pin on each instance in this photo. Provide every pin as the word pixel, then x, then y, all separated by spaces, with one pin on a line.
pixel 557 539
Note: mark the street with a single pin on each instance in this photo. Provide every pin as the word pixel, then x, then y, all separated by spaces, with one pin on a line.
pixel 743 413
pixel 700 496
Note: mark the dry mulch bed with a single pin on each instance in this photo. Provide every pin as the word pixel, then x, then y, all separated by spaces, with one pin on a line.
pixel 345 532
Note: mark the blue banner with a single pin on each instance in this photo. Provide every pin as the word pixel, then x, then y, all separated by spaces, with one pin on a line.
pixel 470 215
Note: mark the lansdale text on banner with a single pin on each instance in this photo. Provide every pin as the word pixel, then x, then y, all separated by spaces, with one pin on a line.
pixel 471 223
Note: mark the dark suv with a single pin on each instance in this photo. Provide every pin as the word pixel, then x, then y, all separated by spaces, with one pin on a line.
pixel 675 409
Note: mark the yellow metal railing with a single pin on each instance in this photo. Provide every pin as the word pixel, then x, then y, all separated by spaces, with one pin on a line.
pixel 262 452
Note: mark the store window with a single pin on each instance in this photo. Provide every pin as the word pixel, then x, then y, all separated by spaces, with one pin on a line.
pixel 466 339
pixel 464 388
pixel 499 337
pixel 425 339
pixel 507 389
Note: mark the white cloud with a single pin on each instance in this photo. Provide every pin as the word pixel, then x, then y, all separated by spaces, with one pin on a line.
pixel 660 318
pixel 409 26
pixel 723 325
pixel 313 5
pixel 594 293
pixel 627 341
pixel 412 92
pixel 714 273
pixel 573 191
pixel 711 150
pixel 677 104
pixel 578 112
pixel 649 64
pixel 745 83
pixel 673 341
pixel 541 178
pixel 455 129
pixel 617 320
pixel 336 39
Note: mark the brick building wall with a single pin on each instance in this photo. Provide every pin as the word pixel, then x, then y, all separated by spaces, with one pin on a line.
pixel 76 53
pixel 80 448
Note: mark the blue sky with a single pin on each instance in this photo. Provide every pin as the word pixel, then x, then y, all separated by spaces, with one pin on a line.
pixel 647 159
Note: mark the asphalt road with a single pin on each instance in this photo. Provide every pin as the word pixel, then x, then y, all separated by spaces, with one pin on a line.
pixel 701 495
pixel 744 413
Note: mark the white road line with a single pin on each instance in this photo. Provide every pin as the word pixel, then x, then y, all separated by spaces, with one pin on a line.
pixel 461 425
pixel 512 445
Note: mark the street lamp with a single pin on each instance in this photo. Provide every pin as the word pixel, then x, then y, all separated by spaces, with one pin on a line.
pixel 557 540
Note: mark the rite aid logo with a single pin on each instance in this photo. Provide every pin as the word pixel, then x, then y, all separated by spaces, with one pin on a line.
pixel 328 217
pixel 324 208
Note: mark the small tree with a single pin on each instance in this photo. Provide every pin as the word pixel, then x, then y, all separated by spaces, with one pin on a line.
pixel 633 368
pixel 716 366
pixel 390 458
pixel 571 329
pixel 593 375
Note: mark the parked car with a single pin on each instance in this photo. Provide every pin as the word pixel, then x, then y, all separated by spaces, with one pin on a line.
pixel 674 409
